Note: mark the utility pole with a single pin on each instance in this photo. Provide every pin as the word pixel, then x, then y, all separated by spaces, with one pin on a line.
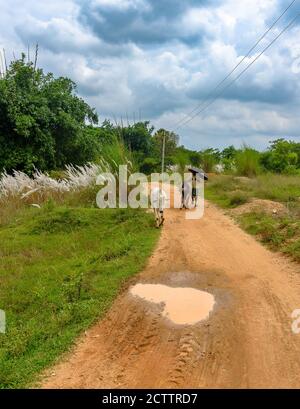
pixel 5 62
pixel 1 66
pixel 161 192
pixel 163 153
pixel 36 55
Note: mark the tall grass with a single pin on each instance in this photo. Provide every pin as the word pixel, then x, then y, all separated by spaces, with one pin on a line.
pixel 75 183
pixel 280 188
pixel 19 190
pixel 208 162
pixel 247 162
pixel 231 191
pixel 114 153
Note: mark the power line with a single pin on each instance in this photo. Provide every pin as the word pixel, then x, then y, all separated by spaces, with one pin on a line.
pixel 244 70
pixel 177 124
pixel 248 66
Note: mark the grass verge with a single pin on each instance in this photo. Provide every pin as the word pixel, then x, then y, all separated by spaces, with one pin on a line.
pixel 60 270
pixel 280 232
pixel 284 189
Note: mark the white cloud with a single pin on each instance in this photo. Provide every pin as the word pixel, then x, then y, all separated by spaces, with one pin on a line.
pixel 120 4
pixel 193 50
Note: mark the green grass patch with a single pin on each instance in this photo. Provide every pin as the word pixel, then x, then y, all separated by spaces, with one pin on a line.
pixel 284 189
pixel 60 270
pixel 225 192
pixel 280 234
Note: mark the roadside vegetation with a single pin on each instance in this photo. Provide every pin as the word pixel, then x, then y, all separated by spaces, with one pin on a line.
pixel 262 191
pixel 267 206
pixel 62 260
pixel 61 267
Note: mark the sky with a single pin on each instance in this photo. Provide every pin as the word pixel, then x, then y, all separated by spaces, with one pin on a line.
pixel 159 59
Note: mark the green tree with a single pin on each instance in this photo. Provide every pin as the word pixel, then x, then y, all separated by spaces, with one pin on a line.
pixel 43 123
pixel 137 137
pixel 209 158
pixel 282 156
pixel 171 141
pixel 228 156
pixel 195 158
pixel 150 165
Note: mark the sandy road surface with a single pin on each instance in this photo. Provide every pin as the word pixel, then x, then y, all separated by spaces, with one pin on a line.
pixel 246 342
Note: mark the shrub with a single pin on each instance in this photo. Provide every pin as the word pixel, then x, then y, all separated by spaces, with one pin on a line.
pixel 209 158
pixel 247 162
pixel 238 198
pixel 150 165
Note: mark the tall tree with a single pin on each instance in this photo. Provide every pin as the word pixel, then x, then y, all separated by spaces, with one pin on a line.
pixel 43 123
pixel 171 140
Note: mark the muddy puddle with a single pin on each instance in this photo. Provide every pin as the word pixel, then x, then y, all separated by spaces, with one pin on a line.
pixel 183 306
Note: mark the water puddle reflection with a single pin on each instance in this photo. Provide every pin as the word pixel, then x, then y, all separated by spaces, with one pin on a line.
pixel 181 305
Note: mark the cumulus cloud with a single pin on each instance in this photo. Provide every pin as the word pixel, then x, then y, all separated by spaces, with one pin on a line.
pixel 142 21
pixel 162 58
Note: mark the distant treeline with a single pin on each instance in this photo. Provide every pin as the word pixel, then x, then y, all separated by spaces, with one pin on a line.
pixel 45 125
pixel 282 156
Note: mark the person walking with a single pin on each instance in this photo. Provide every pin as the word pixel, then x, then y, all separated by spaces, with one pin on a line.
pixel 185 194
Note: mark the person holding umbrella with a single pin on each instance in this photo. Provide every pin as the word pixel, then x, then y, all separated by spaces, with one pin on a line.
pixel 196 174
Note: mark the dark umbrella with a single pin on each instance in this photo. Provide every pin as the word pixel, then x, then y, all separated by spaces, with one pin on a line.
pixel 198 171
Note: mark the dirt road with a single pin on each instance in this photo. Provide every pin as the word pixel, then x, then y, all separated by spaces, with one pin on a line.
pixel 246 342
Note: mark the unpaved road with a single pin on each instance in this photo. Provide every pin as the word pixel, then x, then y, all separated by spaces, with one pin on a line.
pixel 246 342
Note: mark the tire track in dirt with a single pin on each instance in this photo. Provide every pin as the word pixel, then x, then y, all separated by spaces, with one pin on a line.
pixel 246 342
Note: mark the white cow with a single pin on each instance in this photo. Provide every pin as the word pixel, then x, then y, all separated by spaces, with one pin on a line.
pixel 158 204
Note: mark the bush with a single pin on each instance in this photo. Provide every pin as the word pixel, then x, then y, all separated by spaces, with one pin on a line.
pixel 291 170
pixel 150 165
pixel 238 198
pixel 209 158
pixel 247 162
pixel 282 157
